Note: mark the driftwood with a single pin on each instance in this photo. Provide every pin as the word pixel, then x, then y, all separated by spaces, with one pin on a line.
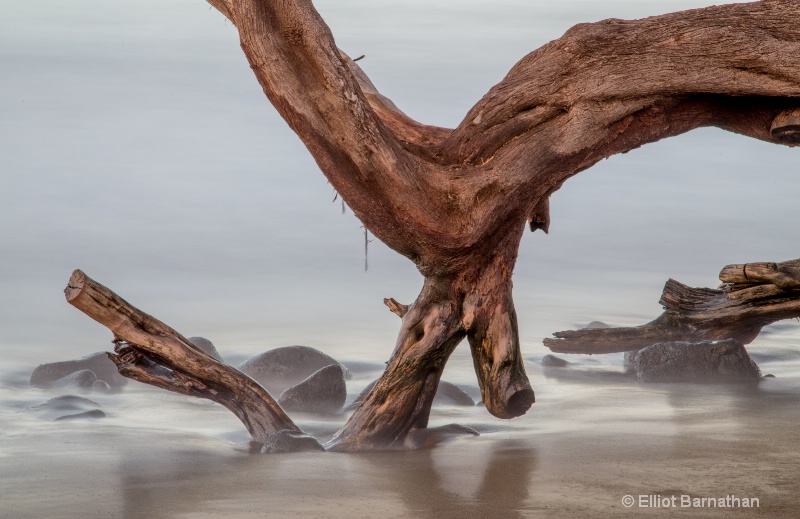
pixel 753 295
pixel 456 201
pixel 149 351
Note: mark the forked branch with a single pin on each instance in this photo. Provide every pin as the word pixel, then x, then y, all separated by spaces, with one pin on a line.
pixel 603 88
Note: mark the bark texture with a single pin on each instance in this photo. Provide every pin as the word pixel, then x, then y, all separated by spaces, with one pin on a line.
pixel 456 201
pixel 753 295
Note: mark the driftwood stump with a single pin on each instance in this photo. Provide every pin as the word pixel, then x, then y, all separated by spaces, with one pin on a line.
pixel 752 296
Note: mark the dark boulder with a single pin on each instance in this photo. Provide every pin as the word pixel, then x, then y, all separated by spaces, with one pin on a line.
pixel 282 368
pixel 324 392
pixel 207 346
pixel 707 361
pixel 98 363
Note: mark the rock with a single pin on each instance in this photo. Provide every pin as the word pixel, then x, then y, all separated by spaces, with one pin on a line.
pixel 427 438
pixel 451 394
pixel 281 368
pixel 596 324
pixel 46 374
pixel 551 361
pixel 64 406
pixel 207 346
pixel 707 361
pixel 83 380
pixel 290 441
pixel 324 392
pixel 94 413
pixel 446 394
pixel 100 386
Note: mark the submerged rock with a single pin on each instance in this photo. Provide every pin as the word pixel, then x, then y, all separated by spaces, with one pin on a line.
pixel 83 380
pixel 289 441
pixel 551 361
pixel 45 375
pixel 707 361
pixel 446 394
pixel 451 394
pixel 101 386
pixel 207 346
pixel 94 413
pixel 282 368
pixel 596 324
pixel 323 392
pixel 67 407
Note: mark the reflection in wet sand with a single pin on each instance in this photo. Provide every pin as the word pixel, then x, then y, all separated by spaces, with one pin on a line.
pixel 494 482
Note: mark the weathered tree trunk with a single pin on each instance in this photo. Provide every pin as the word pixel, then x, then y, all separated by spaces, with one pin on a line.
pixel 738 311
pixel 456 201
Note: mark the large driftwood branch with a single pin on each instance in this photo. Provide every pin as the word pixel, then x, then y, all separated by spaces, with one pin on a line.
pixel 153 353
pixel 755 295
pixel 601 89
pixel 456 201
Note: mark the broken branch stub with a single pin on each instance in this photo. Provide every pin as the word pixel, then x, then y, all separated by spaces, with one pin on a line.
pixel 785 275
pixel 149 351
pixel 786 127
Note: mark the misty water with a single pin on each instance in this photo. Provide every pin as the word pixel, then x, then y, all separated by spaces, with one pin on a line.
pixel 136 145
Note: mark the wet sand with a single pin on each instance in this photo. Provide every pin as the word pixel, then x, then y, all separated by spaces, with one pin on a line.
pixel 592 437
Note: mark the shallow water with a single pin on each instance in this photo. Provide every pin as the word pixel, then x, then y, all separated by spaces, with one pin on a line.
pixel 136 145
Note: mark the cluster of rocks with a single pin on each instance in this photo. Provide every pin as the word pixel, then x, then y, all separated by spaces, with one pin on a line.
pixel 67 407
pixel 303 378
pixel 93 372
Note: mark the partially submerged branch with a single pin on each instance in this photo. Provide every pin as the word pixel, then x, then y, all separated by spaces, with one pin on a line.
pixel 739 311
pixel 151 352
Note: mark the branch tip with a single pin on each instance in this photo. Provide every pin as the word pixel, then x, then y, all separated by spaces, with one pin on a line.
pixel 396 308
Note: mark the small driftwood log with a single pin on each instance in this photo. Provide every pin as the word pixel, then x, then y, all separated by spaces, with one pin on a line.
pixel 753 295
pixel 151 352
